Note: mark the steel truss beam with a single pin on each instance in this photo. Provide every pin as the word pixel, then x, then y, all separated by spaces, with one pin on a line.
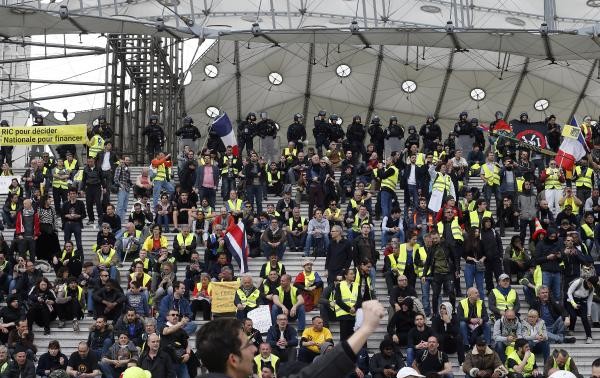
pixel 438 106
pixel 375 85
pixel 309 74
pixel 69 55
pixel 28 100
pixel 54 45
pixel 513 98
pixel 48 81
pixel 581 95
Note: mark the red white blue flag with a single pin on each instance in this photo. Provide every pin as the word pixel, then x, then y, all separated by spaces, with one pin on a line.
pixel 237 243
pixel 222 126
pixel 573 147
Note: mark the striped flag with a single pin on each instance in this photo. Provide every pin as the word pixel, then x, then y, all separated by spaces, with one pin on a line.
pixel 222 126
pixel 236 242
pixel 573 147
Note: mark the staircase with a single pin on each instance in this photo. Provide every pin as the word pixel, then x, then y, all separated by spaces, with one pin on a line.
pixel 582 353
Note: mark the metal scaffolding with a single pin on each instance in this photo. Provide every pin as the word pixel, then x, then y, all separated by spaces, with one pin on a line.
pixel 144 76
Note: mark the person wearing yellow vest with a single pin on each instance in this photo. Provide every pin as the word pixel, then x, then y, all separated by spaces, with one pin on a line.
pixel 138 275
pixel 290 302
pixel 473 318
pixel 297 228
pixel 553 177
pixel 274 180
pixel 476 216
pixel 59 184
pixel 348 301
pixel 95 145
pixel 106 259
pixel 587 230
pixel 503 297
pixel 389 175
pixel 161 179
pixel 490 174
pixel 272 265
pixel 290 152
pixel 449 229
pixel 584 180
pixel 230 167
pixel 560 360
pixel 70 303
pixel 442 182
pixel 234 204
pixel 516 259
pixel 521 363
pixel 201 297
pixel 310 285
pixel 265 359
pixel 569 199
pixel 184 244
pixel 247 298
pixel 71 164
pixel 407 260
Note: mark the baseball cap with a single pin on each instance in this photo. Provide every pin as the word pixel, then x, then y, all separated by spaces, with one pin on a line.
pixel 503 276
pixel 408 372
pixel 480 341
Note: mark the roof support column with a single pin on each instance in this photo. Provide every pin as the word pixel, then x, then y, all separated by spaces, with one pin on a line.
pixel 375 85
pixel 440 101
pixel 309 71
pixel 517 88
pixel 550 14
pixel 238 80
pixel 583 89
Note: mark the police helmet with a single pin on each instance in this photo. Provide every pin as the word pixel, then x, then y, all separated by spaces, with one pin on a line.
pixel 334 117
pixel 474 121
pixel 375 120
pixel 298 117
pixel 188 121
pixel 356 118
pixel 251 116
pixel 263 115
pixel 4 123
pixel 463 114
pixel 524 115
pixel 322 113
pixel 499 115
pixel 393 119
pixel 153 117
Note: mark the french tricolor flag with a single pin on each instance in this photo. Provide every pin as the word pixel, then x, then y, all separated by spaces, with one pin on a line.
pixel 235 239
pixel 573 147
pixel 222 126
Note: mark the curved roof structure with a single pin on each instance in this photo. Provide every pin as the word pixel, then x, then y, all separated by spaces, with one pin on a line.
pixel 398 58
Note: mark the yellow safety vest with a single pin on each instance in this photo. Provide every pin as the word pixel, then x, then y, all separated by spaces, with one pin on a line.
pixel 78 176
pixel 309 279
pixel 328 213
pixel 237 206
pixel 225 169
pixel 474 217
pixel 58 183
pixel 438 156
pixel 146 263
pixel 273 178
pixel 491 177
pixel 457 233
pixel 505 303
pixel 584 180
pixel 258 362
pixel 571 201
pixel 161 173
pixel 63 257
pixel 588 231
pixel 293 224
pixel 105 260
pixel 567 364
pixel 290 153
pixel 293 294
pixel 420 159
pixel 442 183
pixel 70 167
pixel 392 181
pixel 520 181
pixel 146 278
pixel 552 179
pixel 478 307
pixel 528 369
pixel 357 224
pixel 96 145
pixel 354 205
pixel 268 268
pixel 349 297
pixel 185 242
pixel 400 262
pixel 250 300
pixel 517 255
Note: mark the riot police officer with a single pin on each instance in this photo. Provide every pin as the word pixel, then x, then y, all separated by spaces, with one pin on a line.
pixel 431 133
pixel 188 134
pixel 478 134
pixel 336 133
pixel 266 127
pixel 106 131
pixel 5 151
pixel 37 150
pixel 355 134
pixel 394 133
pixel 297 132
pixel 463 126
pixel 246 132
pixel 377 135
pixel 321 132
pixel 156 137
pixel 412 138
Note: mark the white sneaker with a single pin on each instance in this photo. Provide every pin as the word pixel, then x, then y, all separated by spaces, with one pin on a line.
pixel 75 325
pixel 589 340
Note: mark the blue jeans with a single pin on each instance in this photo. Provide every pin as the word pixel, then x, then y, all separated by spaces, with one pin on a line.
pixel 413 195
pixel 425 289
pixel 552 280
pixel 300 316
pixel 541 347
pixel 181 370
pixel 163 221
pixel 268 250
pixel 467 334
pixel 309 243
pixel 254 193
pixel 159 186
pixel 90 301
pixel 122 203
pixel 386 203
pixel 556 331
pixel 488 191
pixel 386 237
pixel 471 274
pixel 410 356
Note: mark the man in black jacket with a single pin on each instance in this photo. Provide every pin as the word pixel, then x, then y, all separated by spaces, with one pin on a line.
pixel 73 214
pixel 156 360
pixel 321 132
pixel 440 266
pixel 246 132
pixel 91 183
pixel 413 181
pixel 254 175
pixel 297 132
pixel 356 137
pixel 549 254
pixel 554 316
pixel 188 134
pixel 339 255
